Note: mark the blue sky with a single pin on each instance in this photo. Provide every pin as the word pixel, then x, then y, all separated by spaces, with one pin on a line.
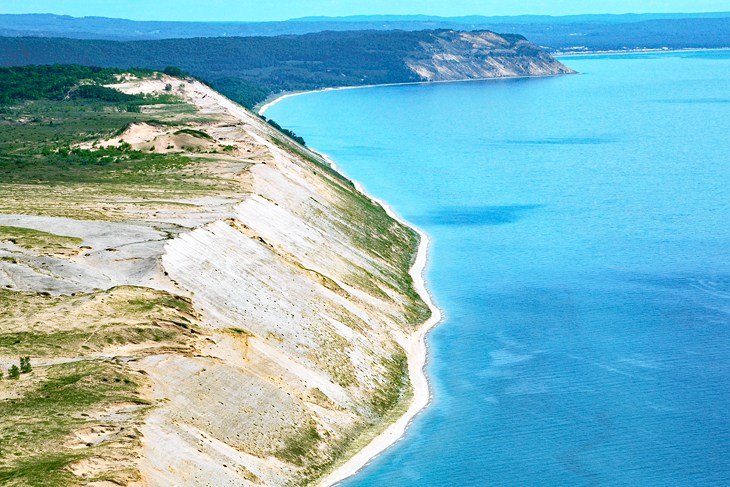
pixel 256 10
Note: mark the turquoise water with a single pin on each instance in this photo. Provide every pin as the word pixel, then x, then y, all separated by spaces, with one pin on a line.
pixel 580 255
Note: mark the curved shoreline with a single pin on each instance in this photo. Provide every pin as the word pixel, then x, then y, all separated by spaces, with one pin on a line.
pixel 416 350
pixel 263 108
pixel 414 344
pixel 567 54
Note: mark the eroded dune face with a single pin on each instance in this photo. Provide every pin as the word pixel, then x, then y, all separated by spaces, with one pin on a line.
pixel 303 290
pixel 451 55
pixel 244 314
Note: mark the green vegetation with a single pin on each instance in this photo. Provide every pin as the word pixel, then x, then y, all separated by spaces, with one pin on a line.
pixel 39 423
pixel 174 71
pixel 247 69
pixel 55 81
pixel 241 90
pixel 61 414
pixel 299 140
pixel 25 366
pixel 37 324
pixel 52 163
pixel 105 94
pixel 394 384
pixel 116 165
pixel 43 242
pixel 13 372
pixel 195 133
pixel 300 446
pixel 44 171
pixel 389 241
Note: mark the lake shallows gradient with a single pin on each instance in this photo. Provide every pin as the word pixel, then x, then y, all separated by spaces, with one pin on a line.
pixel 581 234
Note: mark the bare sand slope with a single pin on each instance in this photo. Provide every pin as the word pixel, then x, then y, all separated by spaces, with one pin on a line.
pixel 269 316
pixel 306 291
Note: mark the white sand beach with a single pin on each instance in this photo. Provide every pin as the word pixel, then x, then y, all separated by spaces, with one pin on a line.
pixel 416 351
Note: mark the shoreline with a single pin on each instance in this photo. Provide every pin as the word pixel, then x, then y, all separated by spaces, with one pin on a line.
pixel 274 99
pixel 414 345
pixel 284 95
pixel 652 50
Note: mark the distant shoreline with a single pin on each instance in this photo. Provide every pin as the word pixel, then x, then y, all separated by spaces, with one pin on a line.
pixel 274 99
pixel 653 50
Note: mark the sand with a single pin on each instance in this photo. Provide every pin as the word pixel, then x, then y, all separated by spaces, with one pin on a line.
pixel 416 351
pixel 414 344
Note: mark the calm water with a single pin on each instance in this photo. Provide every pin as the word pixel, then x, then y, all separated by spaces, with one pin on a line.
pixel 581 233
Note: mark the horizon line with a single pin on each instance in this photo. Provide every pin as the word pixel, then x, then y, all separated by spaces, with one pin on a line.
pixel 326 18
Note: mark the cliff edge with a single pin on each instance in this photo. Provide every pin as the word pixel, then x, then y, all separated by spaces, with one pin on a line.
pixel 203 301
pixel 455 55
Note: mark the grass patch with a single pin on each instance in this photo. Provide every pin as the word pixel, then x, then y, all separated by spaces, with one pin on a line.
pixel 72 326
pixel 389 243
pixel 393 384
pixel 39 422
pixel 42 242
pixel 299 447
pixel 43 172
pixel 195 133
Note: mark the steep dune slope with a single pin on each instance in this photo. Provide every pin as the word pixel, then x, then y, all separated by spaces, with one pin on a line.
pixel 205 301
pixel 254 303
pixel 453 55
pixel 302 288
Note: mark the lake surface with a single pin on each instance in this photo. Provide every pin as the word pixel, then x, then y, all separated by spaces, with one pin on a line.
pixel 581 232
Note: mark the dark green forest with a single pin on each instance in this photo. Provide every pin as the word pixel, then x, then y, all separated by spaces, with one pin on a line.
pixel 58 82
pixel 247 69
pixel 78 89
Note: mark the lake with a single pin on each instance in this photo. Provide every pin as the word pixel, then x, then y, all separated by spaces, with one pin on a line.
pixel 581 229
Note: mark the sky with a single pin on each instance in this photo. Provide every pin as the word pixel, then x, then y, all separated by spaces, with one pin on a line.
pixel 264 10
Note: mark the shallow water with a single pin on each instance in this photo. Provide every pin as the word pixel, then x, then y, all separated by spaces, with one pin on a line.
pixel 580 254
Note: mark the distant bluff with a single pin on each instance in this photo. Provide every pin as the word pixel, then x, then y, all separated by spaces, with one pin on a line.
pixel 251 69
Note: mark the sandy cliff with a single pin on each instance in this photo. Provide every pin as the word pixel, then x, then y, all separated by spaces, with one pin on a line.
pixel 283 296
pixel 454 55
pixel 208 303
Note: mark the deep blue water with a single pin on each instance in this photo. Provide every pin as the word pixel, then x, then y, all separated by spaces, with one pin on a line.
pixel 581 232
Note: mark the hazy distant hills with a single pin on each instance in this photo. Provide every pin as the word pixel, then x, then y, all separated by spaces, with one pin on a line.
pixel 586 32
pixel 518 19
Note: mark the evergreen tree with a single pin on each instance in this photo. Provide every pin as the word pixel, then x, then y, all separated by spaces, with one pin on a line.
pixel 25 366
pixel 13 372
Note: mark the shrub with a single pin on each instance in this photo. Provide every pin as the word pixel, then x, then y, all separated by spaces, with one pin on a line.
pixel 174 71
pixel 25 366
pixel 296 138
pixel 13 372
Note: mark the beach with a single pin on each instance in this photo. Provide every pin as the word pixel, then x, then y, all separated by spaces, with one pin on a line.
pixel 276 99
pixel 585 340
pixel 414 345
pixel 416 351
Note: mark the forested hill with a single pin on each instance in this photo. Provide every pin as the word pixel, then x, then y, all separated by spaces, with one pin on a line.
pixel 248 69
